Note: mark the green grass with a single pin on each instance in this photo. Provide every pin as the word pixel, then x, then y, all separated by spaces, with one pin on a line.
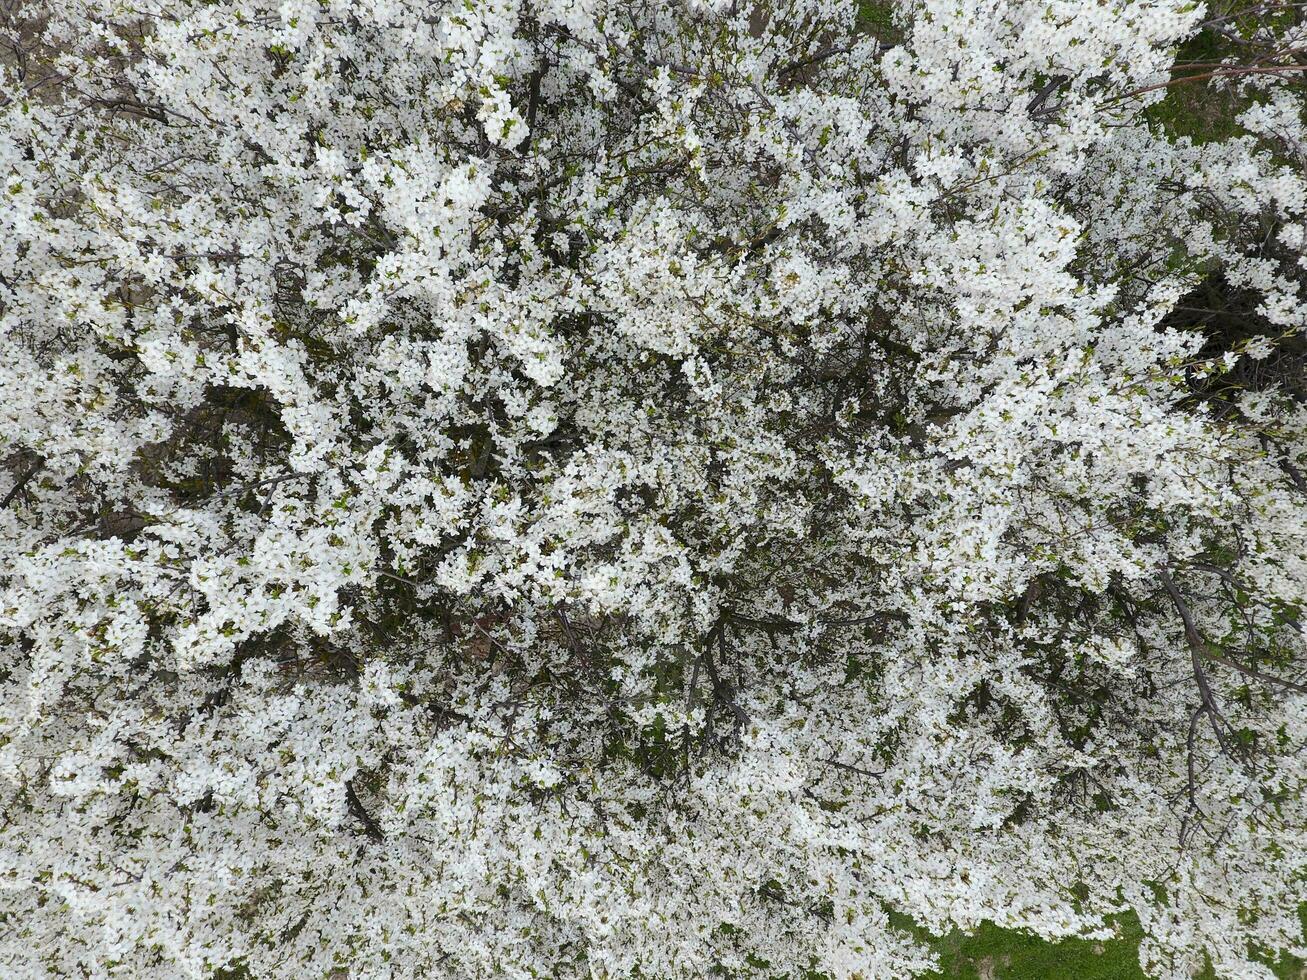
pixel 1195 109
pixel 1001 953
pixel 876 17
pixel 992 953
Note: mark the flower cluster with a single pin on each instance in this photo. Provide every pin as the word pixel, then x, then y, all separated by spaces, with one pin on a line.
pixel 586 488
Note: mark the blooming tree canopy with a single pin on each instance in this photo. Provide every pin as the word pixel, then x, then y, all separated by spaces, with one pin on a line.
pixel 645 488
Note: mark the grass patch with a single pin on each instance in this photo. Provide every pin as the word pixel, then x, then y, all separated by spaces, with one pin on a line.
pixel 876 17
pixel 993 953
pixel 1195 109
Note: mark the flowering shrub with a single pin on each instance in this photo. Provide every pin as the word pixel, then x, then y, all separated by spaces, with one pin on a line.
pixel 593 488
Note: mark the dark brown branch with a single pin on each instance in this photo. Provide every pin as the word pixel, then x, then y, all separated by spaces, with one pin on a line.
pixel 361 814
pixel 1261 676
pixel 844 765
pixel 814 58
pixel 1040 97
pixel 1232 72
pixel 532 104
pixel 22 482
pixel 722 690
pixel 1197 649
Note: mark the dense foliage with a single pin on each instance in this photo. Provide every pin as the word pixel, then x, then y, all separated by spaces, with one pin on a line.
pixel 649 488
